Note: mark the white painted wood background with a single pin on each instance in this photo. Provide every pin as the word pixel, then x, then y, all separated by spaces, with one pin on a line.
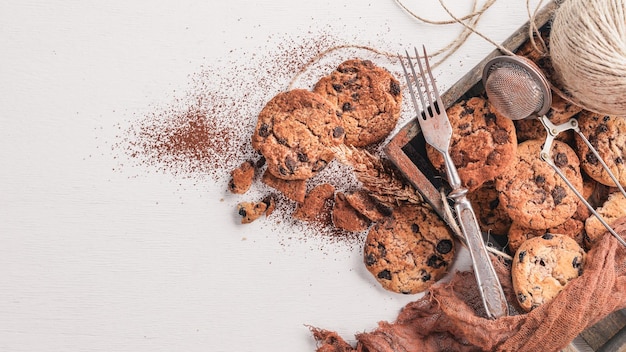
pixel 96 260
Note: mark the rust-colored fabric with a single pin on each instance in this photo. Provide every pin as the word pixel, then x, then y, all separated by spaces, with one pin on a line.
pixel 449 317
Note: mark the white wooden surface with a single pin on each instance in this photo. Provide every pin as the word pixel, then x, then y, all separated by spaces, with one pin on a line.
pixel 93 259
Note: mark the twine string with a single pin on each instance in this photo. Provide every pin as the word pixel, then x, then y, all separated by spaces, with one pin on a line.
pixel 588 50
pixel 468 21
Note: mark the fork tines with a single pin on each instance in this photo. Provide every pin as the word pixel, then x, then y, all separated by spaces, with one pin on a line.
pixel 427 109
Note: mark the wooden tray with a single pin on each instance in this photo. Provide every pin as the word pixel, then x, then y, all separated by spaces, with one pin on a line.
pixel 407 151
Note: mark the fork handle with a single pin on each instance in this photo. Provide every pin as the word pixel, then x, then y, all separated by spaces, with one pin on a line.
pixel 489 286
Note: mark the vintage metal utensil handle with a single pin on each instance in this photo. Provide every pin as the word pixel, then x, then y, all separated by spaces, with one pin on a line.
pixel 489 285
pixel 486 277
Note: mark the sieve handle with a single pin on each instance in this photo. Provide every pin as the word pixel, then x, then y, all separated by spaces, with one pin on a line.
pixel 489 286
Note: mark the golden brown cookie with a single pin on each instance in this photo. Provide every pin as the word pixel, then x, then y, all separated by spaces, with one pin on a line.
pixel 491 216
pixel 317 204
pixel 295 132
pixel 607 134
pixel 368 206
pixel 531 191
pixel 242 177
pixel 561 111
pixel 543 266
pixel 572 228
pixel 369 98
pixel 613 209
pixel 410 250
pixel 483 142
pixel 292 189
pixel 347 218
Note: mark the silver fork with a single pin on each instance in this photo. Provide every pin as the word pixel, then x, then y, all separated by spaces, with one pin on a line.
pixel 437 132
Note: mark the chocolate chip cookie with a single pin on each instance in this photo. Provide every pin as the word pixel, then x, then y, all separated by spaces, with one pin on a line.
pixel 561 111
pixel 543 266
pixel 369 99
pixel 410 250
pixel 483 143
pixel 491 216
pixel 295 132
pixel 613 209
pixel 572 228
pixel 533 194
pixel 607 134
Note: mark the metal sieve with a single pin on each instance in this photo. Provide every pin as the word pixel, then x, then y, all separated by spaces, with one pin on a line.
pixel 518 89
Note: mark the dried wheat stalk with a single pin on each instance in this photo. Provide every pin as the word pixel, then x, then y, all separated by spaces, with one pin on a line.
pixel 377 177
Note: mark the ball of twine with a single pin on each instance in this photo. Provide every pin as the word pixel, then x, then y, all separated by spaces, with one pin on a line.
pixel 588 52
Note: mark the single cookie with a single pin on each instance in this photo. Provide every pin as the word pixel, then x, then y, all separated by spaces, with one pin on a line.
pixel 242 177
pixel 543 266
pixel 613 209
pixel 561 111
pixel 317 204
pixel 295 132
pixel 572 228
pixel 410 250
pixel 607 134
pixel 292 189
pixel 369 98
pixel 347 218
pixel 367 205
pixel 533 194
pixel 491 216
pixel 483 142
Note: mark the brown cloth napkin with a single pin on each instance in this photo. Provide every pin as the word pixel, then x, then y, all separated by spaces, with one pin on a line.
pixel 450 318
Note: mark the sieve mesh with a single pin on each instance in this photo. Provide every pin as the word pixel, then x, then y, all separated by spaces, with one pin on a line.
pixel 513 91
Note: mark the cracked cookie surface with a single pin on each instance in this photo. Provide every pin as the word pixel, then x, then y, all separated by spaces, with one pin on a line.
pixel 542 266
pixel 483 143
pixel 369 99
pixel 295 132
pixel 409 250
pixel 607 134
pixel 533 194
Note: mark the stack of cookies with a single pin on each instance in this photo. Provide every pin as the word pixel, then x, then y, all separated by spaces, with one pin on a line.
pixel 517 195
pixel 358 104
pixel 408 247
